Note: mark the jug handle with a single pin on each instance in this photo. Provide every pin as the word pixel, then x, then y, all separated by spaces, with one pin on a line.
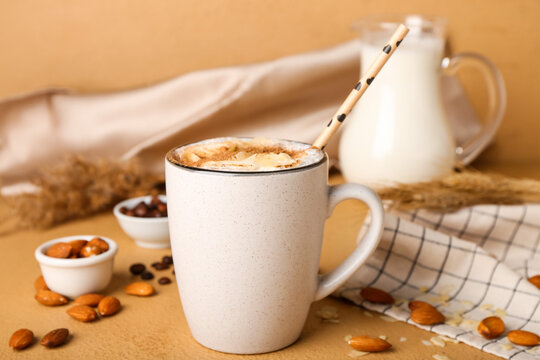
pixel 468 151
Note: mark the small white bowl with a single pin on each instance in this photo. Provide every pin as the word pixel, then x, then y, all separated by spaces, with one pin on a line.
pixel 150 233
pixel 74 277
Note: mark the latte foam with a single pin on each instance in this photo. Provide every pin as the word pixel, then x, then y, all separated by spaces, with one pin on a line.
pixel 259 154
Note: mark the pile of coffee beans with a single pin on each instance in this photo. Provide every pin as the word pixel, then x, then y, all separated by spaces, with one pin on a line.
pixel 165 264
pixel 156 208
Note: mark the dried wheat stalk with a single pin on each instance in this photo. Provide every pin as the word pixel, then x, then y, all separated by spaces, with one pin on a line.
pixel 79 187
pixel 460 189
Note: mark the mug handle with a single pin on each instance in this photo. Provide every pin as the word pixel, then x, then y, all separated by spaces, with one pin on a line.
pixel 336 194
pixel 497 102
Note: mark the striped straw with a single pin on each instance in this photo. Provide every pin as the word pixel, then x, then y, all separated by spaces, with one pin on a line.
pixel 361 87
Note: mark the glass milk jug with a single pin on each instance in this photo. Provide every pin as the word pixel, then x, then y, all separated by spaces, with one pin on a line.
pixel 398 132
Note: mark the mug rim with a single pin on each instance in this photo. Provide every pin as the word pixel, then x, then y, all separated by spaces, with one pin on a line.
pixel 170 159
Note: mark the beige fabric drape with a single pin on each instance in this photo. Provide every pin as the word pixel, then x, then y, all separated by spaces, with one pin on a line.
pixel 292 97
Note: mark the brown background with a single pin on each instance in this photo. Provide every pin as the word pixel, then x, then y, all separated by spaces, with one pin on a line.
pixel 109 45
pixel 93 46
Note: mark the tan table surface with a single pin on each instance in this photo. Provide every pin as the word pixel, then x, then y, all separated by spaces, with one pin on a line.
pixel 155 328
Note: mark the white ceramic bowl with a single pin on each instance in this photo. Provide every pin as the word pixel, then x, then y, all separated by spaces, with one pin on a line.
pixel 150 233
pixel 74 277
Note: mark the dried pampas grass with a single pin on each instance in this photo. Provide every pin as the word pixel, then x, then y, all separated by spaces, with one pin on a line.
pixel 462 188
pixel 79 187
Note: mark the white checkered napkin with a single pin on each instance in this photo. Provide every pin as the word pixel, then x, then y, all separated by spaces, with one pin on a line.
pixel 470 264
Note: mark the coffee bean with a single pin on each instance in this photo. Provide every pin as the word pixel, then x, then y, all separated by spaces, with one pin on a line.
pixel 147 275
pixel 141 210
pixel 155 201
pixel 124 209
pixel 164 280
pixel 161 266
pixel 137 269
pixel 162 208
pixel 154 264
pixel 130 213
pixel 167 259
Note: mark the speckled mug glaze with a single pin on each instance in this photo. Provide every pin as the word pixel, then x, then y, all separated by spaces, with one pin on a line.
pixel 246 249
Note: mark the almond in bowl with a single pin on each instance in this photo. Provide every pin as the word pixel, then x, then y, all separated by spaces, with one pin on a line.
pixel 79 248
pixel 77 265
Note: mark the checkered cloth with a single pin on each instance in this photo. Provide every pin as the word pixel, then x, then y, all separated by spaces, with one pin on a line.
pixel 470 264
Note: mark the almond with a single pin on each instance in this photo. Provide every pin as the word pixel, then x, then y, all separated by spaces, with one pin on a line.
pixel 415 304
pixel 59 250
pixel 82 313
pixel 50 298
pixel 40 284
pixel 535 280
pixel 109 306
pixel 139 288
pixel 89 250
pixel 100 243
pixel 21 339
pixel 55 338
pixel 376 295
pixel 368 343
pixel 522 337
pixel 491 327
pixel 89 299
pixel 426 315
pixel 76 246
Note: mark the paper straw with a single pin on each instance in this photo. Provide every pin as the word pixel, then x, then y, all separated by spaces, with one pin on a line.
pixel 361 87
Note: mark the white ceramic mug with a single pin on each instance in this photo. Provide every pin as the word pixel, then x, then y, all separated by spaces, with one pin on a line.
pixel 246 249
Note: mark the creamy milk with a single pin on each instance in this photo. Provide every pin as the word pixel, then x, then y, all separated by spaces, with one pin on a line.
pixel 398 131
